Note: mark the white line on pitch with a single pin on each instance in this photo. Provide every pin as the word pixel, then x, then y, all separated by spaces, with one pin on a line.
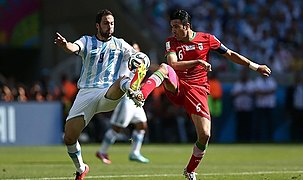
pixel 166 175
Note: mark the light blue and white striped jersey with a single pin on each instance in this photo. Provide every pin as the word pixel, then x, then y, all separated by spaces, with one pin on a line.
pixel 102 62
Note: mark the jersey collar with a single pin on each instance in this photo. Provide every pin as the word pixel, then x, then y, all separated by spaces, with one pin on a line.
pixel 194 35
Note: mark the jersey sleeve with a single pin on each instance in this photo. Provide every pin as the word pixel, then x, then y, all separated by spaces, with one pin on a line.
pixel 170 46
pixel 214 42
pixel 81 43
pixel 128 50
pixel 216 45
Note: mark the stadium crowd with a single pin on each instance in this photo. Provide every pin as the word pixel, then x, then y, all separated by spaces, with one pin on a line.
pixel 272 31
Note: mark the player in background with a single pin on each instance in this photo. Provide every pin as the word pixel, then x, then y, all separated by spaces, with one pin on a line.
pixel 185 78
pixel 126 113
pixel 100 85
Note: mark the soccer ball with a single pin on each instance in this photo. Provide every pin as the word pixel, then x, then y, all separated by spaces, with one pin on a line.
pixel 136 59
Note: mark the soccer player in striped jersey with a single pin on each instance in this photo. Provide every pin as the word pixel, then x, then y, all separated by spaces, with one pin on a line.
pixel 126 113
pixel 100 85
pixel 185 78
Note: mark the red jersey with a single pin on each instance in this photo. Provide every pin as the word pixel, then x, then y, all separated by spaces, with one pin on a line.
pixel 197 48
pixel 193 86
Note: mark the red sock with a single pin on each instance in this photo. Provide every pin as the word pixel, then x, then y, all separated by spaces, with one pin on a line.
pixel 148 87
pixel 193 163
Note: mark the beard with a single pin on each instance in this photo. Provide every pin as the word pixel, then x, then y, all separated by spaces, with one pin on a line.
pixel 105 35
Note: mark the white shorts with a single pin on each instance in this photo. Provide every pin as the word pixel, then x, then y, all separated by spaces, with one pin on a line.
pixel 91 101
pixel 126 112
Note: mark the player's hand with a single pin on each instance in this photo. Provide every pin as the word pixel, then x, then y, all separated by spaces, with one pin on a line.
pixel 60 40
pixel 264 70
pixel 206 65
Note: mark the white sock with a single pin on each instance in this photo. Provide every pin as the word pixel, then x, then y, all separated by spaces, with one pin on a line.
pixel 74 151
pixel 109 139
pixel 125 84
pixel 137 137
pixel 157 79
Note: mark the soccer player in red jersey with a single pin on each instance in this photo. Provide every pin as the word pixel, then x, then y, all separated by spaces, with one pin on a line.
pixel 185 78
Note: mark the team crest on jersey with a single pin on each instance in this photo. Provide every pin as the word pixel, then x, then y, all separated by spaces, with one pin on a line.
pixel 167 44
pixel 190 47
pixel 200 46
pixel 112 46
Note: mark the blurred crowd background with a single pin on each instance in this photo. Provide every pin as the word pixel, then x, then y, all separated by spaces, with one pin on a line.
pixel 245 107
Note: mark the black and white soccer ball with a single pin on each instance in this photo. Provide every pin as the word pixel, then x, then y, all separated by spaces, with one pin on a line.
pixel 136 59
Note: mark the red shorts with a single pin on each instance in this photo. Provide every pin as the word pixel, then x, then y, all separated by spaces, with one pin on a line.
pixel 193 99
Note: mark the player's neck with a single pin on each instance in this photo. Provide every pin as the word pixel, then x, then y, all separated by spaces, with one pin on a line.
pixel 190 35
pixel 102 38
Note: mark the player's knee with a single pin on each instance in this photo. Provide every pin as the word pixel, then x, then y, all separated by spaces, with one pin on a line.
pixel 68 140
pixel 163 68
pixel 204 137
pixel 116 91
pixel 207 135
pixel 141 126
pixel 116 129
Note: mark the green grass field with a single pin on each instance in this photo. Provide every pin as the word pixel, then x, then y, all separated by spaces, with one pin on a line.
pixel 222 161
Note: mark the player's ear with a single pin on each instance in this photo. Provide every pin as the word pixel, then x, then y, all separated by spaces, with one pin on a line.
pixel 188 26
pixel 97 26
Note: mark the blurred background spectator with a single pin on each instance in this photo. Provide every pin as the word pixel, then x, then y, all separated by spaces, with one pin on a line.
pixel 264 122
pixel 294 105
pixel 215 104
pixel 243 104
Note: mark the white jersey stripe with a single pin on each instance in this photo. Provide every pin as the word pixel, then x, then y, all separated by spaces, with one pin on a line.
pixel 91 67
pixel 100 62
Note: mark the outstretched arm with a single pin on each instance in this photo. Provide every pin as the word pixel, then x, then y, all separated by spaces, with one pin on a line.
pixel 68 47
pixel 239 59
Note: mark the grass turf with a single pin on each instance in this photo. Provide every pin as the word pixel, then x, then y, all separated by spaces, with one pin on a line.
pixel 222 161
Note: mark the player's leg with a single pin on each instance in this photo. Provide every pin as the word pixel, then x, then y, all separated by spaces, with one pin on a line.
pixel 137 141
pixel 126 85
pixel 111 134
pixel 118 88
pixel 113 95
pixel 202 126
pixel 74 125
pixel 73 128
pixel 195 103
pixel 155 80
pixel 120 119
pixel 109 138
pixel 80 114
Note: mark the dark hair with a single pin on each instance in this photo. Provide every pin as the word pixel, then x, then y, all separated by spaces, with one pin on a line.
pixel 182 15
pixel 101 13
